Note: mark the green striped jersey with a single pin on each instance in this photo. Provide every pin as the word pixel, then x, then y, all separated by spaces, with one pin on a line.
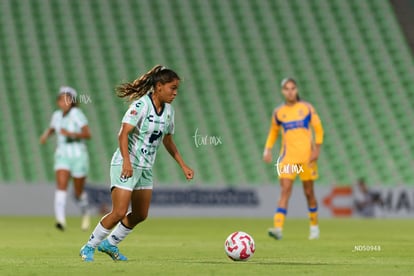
pixel 73 121
pixel 150 128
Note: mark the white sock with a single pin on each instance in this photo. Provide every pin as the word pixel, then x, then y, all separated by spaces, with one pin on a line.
pixel 98 235
pixel 314 228
pixel 60 204
pixel 118 234
pixel 83 203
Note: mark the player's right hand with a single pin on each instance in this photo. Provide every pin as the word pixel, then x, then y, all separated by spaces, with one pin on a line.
pixel 188 172
pixel 127 171
pixel 267 156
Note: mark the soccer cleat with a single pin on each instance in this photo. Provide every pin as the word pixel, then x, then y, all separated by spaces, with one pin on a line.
pixel 275 233
pixel 111 250
pixel 86 222
pixel 60 226
pixel 314 232
pixel 86 253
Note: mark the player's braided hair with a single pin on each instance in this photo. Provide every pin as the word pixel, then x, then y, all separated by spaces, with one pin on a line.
pixel 142 85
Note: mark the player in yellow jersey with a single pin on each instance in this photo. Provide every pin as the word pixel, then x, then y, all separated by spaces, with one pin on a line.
pixel 299 152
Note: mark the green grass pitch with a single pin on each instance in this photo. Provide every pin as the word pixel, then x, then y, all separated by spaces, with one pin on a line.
pixel 169 246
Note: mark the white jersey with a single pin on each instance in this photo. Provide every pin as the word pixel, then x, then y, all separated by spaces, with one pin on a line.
pixel 150 128
pixel 73 121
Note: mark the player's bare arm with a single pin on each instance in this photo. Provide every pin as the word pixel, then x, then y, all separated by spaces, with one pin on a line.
pixel 84 134
pixel 123 147
pixel 48 132
pixel 172 149
pixel 315 153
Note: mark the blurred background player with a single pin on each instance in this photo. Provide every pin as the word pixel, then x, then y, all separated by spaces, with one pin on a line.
pixel 367 202
pixel 148 122
pixel 71 155
pixel 298 154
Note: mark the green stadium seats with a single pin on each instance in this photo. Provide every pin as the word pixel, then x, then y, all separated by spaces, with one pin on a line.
pixel 350 58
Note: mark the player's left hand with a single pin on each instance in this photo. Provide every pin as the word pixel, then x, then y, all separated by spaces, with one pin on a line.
pixel 188 172
pixel 314 155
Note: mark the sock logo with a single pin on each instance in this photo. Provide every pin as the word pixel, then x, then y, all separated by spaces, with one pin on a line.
pixel 115 238
pixel 92 237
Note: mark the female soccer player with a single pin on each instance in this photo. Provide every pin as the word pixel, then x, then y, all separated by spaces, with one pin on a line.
pixel 148 121
pixel 298 155
pixel 71 156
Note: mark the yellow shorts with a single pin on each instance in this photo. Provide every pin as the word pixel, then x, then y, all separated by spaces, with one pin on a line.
pixel 305 171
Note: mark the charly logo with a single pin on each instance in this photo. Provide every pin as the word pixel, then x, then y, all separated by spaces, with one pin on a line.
pixel 123 179
pixel 286 168
pixel 205 140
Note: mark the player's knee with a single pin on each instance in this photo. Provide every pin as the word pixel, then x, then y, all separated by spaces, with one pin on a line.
pixel 142 217
pixel 118 214
pixel 138 218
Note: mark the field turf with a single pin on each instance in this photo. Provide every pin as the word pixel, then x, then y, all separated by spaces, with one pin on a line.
pixel 169 246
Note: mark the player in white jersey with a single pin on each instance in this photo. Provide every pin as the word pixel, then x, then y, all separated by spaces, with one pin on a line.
pixel 148 121
pixel 71 156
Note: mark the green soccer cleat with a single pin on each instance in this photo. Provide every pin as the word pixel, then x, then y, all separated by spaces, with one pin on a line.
pixel 111 250
pixel 86 253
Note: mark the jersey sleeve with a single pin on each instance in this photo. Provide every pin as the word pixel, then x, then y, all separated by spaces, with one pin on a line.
pixel 80 118
pixel 54 120
pixel 135 113
pixel 316 125
pixel 171 124
pixel 273 132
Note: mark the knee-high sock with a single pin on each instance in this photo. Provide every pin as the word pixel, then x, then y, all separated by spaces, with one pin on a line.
pixel 119 234
pixel 279 217
pixel 313 216
pixel 98 235
pixel 83 202
pixel 60 204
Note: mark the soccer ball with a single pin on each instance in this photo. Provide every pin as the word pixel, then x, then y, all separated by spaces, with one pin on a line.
pixel 239 246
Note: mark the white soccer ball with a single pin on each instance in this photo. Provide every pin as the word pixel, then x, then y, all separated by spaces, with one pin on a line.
pixel 239 246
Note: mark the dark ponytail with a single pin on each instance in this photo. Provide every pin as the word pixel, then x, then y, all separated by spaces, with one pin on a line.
pixel 142 85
